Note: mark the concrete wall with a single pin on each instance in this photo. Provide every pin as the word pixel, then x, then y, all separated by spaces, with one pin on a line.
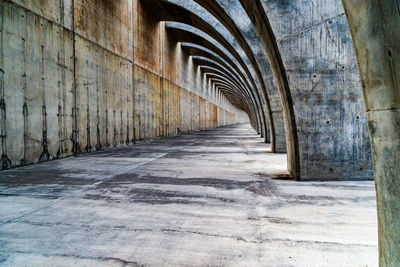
pixel 84 75
pixel 316 47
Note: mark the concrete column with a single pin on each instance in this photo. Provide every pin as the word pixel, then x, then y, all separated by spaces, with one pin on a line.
pixel 375 26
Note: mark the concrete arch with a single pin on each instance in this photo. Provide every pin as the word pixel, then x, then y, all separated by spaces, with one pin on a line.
pixel 213 77
pixel 196 51
pixel 217 79
pixel 209 67
pixel 183 35
pixel 173 12
pixel 230 26
pixel 215 9
pixel 226 72
pixel 232 98
pixel 211 72
pixel 217 72
pixel 375 28
pixel 202 51
pixel 228 93
pixel 224 89
pixel 218 75
pixel 257 15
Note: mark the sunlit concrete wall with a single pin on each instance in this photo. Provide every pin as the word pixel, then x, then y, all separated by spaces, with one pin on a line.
pixel 84 75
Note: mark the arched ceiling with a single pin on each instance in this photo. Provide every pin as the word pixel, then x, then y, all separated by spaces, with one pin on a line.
pixel 174 12
pixel 182 34
pixel 218 42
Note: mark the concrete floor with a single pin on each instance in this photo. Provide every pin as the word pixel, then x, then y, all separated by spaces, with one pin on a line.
pixel 195 200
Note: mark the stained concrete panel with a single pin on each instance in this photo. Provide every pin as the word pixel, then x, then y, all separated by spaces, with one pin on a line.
pixel 37 81
pixel 318 54
pixel 113 102
pixel 147 38
pixel 80 86
pixel 107 24
pixel 59 12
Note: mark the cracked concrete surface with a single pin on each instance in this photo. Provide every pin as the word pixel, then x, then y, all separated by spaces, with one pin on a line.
pixel 210 198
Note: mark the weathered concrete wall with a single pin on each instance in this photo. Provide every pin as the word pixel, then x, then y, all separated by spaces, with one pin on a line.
pixel 98 74
pixel 37 84
pixel 315 43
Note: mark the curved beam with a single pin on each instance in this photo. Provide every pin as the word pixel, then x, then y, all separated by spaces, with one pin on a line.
pixel 172 12
pixel 195 51
pixel 221 71
pixel 226 62
pixel 257 15
pixel 218 71
pixel 219 13
pixel 216 77
pixel 228 93
pixel 234 99
pixel 183 35
pixel 215 65
pixel 186 36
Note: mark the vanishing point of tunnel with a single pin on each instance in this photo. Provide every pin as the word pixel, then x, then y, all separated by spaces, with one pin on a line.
pixel 200 133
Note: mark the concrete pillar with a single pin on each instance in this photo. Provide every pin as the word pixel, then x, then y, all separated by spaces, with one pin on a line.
pixel 375 26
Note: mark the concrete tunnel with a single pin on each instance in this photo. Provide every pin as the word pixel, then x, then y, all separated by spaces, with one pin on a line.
pixel 200 132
